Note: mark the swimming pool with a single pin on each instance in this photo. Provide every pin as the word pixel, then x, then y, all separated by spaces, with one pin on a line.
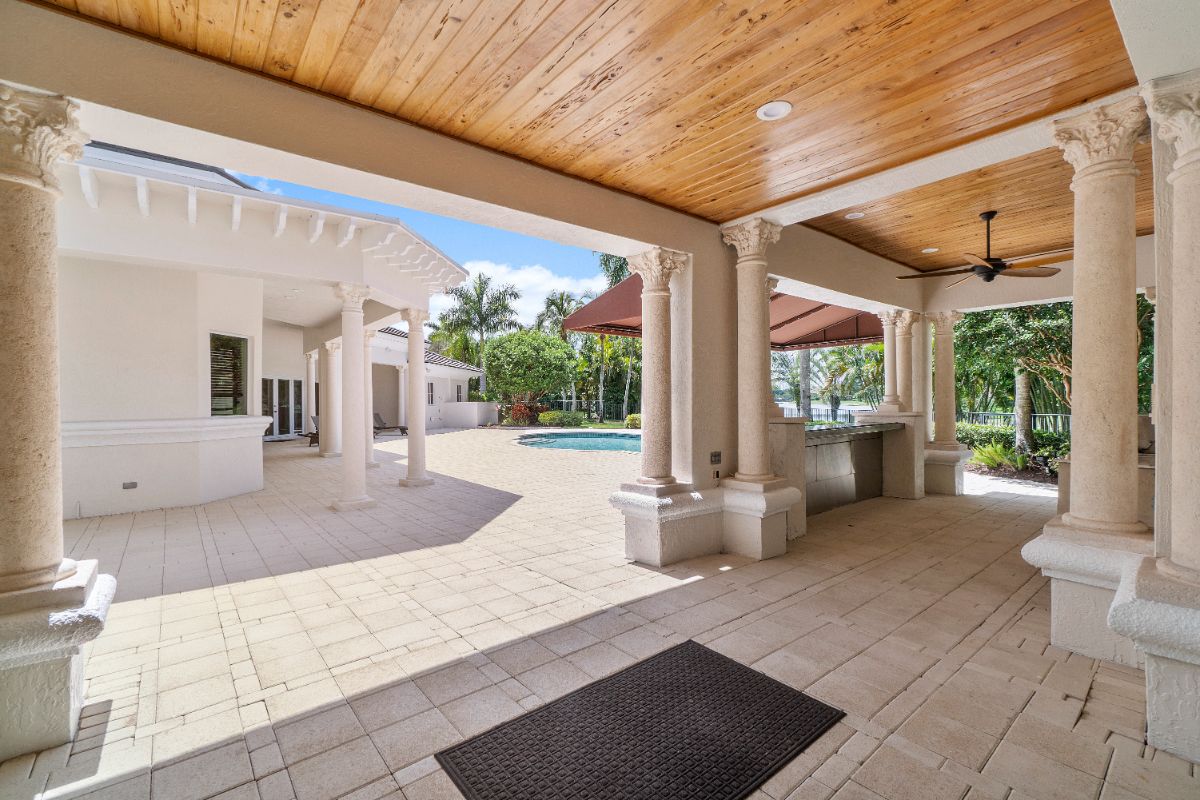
pixel 625 442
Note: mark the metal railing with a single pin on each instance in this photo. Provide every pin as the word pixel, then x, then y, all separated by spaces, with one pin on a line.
pixel 612 408
pixel 824 414
pixel 1058 423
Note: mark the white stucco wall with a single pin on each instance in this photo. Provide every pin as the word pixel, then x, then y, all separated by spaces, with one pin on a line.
pixel 134 342
pixel 282 350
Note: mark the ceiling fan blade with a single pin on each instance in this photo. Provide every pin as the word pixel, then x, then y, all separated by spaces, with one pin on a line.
pixel 1041 261
pixel 1033 272
pixel 960 280
pixel 938 274
pixel 977 260
pixel 1054 252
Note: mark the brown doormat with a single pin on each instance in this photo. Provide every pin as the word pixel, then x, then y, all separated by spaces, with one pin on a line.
pixel 686 724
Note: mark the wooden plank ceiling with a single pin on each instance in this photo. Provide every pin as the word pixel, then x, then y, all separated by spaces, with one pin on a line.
pixel 1032 194
pixel 657 97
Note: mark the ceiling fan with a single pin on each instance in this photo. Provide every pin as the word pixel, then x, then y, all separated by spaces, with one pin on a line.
pixel 989 266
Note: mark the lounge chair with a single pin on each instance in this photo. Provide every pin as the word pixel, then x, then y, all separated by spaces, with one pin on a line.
pixel 381 426
pixel 314 435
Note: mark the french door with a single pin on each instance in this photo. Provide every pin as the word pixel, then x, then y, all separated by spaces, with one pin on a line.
pixel 283 402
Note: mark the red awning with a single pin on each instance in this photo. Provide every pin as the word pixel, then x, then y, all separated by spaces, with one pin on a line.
pixel 796 323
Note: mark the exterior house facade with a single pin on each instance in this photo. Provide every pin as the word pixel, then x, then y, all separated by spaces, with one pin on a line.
pixel 232 282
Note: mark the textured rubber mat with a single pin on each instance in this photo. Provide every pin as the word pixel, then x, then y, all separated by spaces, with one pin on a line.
pixel 686 724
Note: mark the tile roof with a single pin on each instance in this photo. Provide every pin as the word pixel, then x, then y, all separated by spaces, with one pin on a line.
pixel 430 356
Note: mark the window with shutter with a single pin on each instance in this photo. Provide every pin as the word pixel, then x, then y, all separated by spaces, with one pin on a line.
pixel 227 384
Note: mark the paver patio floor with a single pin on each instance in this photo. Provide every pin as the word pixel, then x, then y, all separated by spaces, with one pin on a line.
pixel 266 647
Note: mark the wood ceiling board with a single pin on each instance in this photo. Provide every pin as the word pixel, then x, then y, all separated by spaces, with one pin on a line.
pixel 1032 193
pixel 657 97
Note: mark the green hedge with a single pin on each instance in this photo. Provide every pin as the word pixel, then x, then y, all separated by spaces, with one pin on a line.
pixel 633 421
pixel 1047 444
pixel 562 419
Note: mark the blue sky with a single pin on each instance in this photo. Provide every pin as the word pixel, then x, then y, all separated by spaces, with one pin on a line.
pixel 535 266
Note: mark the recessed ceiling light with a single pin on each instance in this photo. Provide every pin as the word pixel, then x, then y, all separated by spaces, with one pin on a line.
pixel 776 109
pixel 855 215
pixel 930 249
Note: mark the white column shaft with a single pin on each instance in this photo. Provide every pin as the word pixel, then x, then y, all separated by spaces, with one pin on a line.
pixel 904 361
pixel 369 398
pixel 944 403
pixel 354 455
pixel 310 391
pixel 416 475
pixel 656 386
pixel 891 396
pixel 35 130
pixel 331 400
pixel 1104 476
pixel 754 369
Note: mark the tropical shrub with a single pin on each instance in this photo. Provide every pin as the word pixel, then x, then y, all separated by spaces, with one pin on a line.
pixel 1048 444
pixel 562 419
pixel 994 456
pixel 525 365
pixel 523 413
pixel 633 421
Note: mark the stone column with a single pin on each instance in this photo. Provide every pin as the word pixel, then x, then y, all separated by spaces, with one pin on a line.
pixel 1158 603
pixel 354 456
pixel 402 395
pixel 923 372
pixel 416 475
pixel 751 239
pixel 369 398
pixel 656 267
pixel 35 131
pixel 774 410
pixel 330 440
pixel 310 390
pixel 1104 480
pixel 49 606
pixel 904 358
pixel 1089 549
pixel 891 395
pixel 944 428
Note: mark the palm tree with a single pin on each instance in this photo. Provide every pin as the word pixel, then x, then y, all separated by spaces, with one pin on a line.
pixel 615 269
pixel 481 310
pixel 633 353
pixel 851 371
pixel 559 306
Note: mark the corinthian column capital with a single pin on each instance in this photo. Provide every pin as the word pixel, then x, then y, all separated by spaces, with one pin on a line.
pixel 943 321
pixel 1174 105
pixel 890 318
pixel 35 131
pixel 352 295
pixel 751 238
pixel 904 321
pixel 1108 133
pixel 656 267
pixel 415 317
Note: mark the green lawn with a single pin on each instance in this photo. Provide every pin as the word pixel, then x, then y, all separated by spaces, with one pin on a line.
pixel 610 424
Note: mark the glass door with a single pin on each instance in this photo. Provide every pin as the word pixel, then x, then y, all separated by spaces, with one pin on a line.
pixel 297 406
pixel 268 407
pixel 283 407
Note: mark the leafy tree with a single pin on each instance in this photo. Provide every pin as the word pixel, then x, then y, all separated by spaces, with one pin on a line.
pixel 527 364
pixel 852 371
pixel 794 370
pixel 559 306
pixel 615 269
pixel 631 352
pixel 483 311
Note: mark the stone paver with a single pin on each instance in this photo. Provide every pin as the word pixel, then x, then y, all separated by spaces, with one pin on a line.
pixel 268 647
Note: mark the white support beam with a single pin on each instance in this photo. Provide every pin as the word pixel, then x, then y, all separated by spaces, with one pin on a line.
pixel 346 231
pixel 316 224
pixel 191 205
pixel 1160 35
pixel 378 236
pixel 143 196
pixel 1014 143
pixel 235 219
pixel 87 184
pixel 281 215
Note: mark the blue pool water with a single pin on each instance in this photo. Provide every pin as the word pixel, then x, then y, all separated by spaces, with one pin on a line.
pixel 626 442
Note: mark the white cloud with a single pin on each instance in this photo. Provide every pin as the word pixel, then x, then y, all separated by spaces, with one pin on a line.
pixel 534 282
